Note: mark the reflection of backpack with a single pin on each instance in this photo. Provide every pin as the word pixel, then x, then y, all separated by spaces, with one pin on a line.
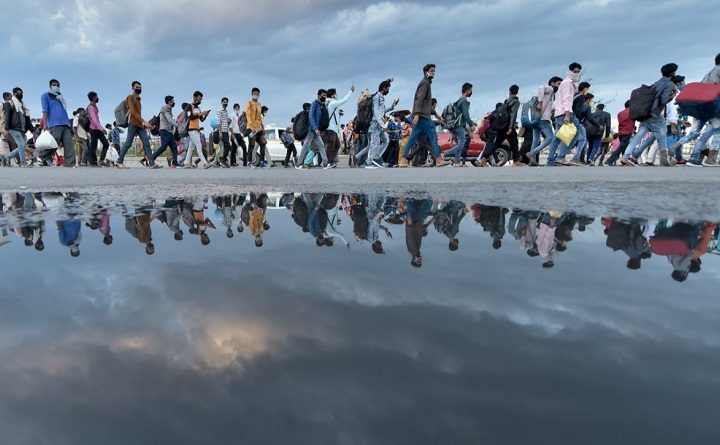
pixel 501 117
pixel 364 115
pixel 530 117
pixel 642 101
pixel 618 237
pixel 451 116
pixel 301 125
pixel 122 114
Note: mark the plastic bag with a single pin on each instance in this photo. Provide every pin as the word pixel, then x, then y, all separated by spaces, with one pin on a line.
pixel 567 133
pixel 112 155
pixel 46 141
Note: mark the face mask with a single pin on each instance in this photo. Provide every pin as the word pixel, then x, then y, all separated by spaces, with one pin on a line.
pixel 469 95
pixel 97 100
pixel 224 106
pixel 575 77
pixel 19 96
pixel 256 96
pixel 55 89
pixel 555 89
pixel 430 77
pixel 138 91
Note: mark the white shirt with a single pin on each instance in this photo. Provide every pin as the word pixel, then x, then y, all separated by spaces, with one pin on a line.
pixel 671 113
pixel 82 134
pixel 334 111
pixel 235 121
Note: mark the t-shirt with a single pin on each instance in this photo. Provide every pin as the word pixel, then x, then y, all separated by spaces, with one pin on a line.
pixel 82 134
pixel 194 124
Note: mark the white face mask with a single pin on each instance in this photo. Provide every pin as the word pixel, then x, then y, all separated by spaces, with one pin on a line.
pixel 575 77
pixel 256 96
pixel 55 89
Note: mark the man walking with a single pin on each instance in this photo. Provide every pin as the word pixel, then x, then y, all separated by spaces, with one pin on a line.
pixel 503 125
pixel 56 120
pixel 597 133
pixel 665 91
pixel 224 132
pixel 97 131
pixel 238 125
pixel 167 126
pixel 256 125
pixel 195 116
pixel 378 139
pixel 422 111
pixel 137 126
pixel 545 106
pixel 462 107
pixel 317 108
pixel 581 112
pixel 15 116
pixel 626 129
pixel 331 136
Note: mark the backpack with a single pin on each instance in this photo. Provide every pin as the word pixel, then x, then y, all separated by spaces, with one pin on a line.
pixel 84 120
pixel 578 105
pixel 122 115
pixel 182 124
pixel 364 115
pixel 501 117
pixel 301 125
pixel 618 237
pixel 242 123
pixel 700 100
pixel 324 118
pixel 642 101
pixel 287 139
pixel 666 247
pixel 155 129
pixel 451 116
pixel 530 117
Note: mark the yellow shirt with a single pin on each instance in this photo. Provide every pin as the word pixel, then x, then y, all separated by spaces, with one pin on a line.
pixel 253 111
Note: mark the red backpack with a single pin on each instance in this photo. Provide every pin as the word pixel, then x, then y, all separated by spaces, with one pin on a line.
pixel 700 100
pixel 666 247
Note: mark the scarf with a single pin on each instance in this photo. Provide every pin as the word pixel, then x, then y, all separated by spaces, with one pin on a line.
pixel 59 97
pixel 20 107
pixel 575 77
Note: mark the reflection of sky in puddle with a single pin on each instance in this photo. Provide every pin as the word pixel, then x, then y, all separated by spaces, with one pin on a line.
pixel 294 343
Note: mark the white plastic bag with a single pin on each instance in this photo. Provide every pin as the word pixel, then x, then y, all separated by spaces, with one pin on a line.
pixel 46 141
pixel 112 155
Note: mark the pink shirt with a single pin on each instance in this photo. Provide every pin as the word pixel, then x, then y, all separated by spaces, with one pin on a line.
pixel 95 124
pixel 564 97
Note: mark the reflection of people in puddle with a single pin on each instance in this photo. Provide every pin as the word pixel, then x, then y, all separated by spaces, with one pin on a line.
pixel 683 243
pixel 492 219
pixel 139 228
pixel 523 227
pixel 253 215
pixel 69 235
pixel 194 218
pixel 171 215
pixel 418 212
pixel 225 208
pixel 628 237
pixel 447 221
pixel 366 213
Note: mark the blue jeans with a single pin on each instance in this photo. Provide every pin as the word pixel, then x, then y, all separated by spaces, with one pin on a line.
pixel 580 140
pixel 426 126
pixel 593 147
pixel 378 144
pixel 559 121
pixel 694 132
pixel 456 151
pixel 313 139
pixel 707 134
pixel 167 140
pixel 133 131
pixel 658 127
pixel 19 152
pixel 543 128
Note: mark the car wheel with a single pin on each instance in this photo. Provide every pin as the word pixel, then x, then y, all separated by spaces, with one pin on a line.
pixel 502 156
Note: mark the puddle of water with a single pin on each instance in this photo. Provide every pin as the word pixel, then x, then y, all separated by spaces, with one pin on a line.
pixel 333 318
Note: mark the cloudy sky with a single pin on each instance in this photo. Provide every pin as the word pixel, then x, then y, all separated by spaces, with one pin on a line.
pixel 291 48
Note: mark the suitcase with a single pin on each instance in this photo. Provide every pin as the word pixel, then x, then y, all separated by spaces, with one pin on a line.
pixel 700 100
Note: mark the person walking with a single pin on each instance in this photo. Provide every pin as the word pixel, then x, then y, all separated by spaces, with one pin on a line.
pixel 97 131
pixel 596 134
pixel 317 109
pixel 55 119
pixel 422 111
pixel 238 126
pixel 137 126
pixel 224 132
pixel 195 116
pixel 503 126
pixel 256 125
pixel 378 139
pixel 16 117
pixel 167 128
pixel 545 106
pixel 462 107
pixel 626 129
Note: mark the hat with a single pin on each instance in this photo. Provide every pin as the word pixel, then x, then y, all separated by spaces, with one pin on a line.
pixel 668 69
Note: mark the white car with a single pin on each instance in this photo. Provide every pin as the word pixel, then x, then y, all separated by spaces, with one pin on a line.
pixel 274 146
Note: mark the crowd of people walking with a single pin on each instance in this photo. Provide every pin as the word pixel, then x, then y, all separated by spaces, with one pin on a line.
pixel 655 123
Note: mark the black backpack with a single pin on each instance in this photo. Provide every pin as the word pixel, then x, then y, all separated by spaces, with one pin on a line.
pixel 324 118
pixel 364 115
pixel 84 120
pixel 501 117
pixel 301 125
pixel 642 101
pixel 155 122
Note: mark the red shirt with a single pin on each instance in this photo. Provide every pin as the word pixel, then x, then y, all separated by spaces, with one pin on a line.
pixel 626 125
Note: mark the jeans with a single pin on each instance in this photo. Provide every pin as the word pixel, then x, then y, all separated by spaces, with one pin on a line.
pixel 225 142
pixel 427 127
pixel 167 140
pixel 133 131
pixel 707 134
pixel 694 132
pixel 559 121
pixel 658 127
pixel 624 141
pixel 194 144
pixel 315 139
pixel 95 136
pixel 63 136
pixel 543 128
pixel 593 147
pixel 378 143
pixel 261 154
pixel 290 150
pixel 580 140
pixel 456 151
pixel 239 140
pixel 19 152
pixel 391 154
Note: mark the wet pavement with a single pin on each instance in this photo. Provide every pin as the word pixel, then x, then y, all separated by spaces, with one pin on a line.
pixel 353 318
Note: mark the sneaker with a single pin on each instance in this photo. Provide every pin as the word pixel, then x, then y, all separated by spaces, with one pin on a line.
pixel 371 166
pixel 379 165
pixel 155 166
pixel 562 162
pixel 532 162
pixel 441 163
pixel 121 166
pixel 302 167
pixel 206 166
pixel 692 163
pixel 708 163
pixel 648 164
pixel 627 163
pixel 331 165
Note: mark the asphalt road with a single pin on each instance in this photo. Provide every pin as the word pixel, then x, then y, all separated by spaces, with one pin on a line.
pixel 651 192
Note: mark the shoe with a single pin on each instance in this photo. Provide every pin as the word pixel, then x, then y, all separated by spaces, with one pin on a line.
pixel 379 165
pixel 519 164
pixel 403 163
pixel 482 163
pixel 627 163
pixel 562 162
pixel 711 160
pixel 692 163
pixel 206 166
pixel 371 166
pixel 143 161
pixel 633 160
pixel 664 159
pixel 532 162
pixel 459 165
pixel 441 163
pixel 331 165
pixel 302 167
pixel 648 164
pixel 121 166
pixel 680 161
